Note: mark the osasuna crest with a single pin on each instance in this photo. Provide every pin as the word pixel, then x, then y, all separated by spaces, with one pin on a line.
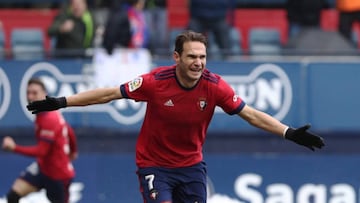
pixel 202 103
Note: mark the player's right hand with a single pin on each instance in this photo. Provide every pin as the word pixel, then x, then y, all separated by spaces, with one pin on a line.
pixel 8 144
pixel 48 104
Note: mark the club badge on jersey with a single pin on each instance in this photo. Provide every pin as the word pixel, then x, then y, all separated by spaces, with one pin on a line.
pixel 202 103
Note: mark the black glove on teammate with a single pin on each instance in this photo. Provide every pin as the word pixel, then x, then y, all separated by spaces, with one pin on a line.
pixel 48 104
pixel 302 137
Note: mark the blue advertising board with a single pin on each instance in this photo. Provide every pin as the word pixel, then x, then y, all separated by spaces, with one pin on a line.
pixel 241 178
pixel 334 96
pixel 293 92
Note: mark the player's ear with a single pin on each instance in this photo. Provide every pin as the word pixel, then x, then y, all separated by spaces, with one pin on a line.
pixel 176 56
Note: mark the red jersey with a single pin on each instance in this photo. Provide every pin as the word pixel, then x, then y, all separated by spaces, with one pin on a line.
pixel 177 118
pixel 55 140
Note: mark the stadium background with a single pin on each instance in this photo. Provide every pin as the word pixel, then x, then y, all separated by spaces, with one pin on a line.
pixel 244 164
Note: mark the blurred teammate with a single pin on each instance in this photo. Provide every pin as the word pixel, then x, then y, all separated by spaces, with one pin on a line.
pixel 181 100
pixel 55 148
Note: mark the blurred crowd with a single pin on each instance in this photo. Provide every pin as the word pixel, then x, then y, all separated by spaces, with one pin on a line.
pixel 83 24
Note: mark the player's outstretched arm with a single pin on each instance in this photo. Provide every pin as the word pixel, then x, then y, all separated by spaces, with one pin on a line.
pixel 96 96
pixel 266 122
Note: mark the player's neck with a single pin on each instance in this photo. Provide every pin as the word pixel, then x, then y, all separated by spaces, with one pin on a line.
pixel 186 83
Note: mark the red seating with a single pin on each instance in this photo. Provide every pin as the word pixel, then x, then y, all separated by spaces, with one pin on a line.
pixel 329 19
pixel 25 18
pixel 178 14
pixel 330 22
pixel 178 17
pixel 245 19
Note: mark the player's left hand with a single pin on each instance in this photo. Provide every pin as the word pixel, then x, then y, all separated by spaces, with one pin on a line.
pixel 8 144
pixel 303 137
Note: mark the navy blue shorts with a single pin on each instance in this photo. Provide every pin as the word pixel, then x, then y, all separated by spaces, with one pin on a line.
pixel 178 185
pixel 56 190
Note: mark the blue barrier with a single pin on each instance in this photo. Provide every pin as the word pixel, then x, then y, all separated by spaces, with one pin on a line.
pixel 255 178
pixel 323 94
pixel 333 95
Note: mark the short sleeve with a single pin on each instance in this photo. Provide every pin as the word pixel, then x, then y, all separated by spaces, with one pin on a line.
pixel 227 98
pixel 138 89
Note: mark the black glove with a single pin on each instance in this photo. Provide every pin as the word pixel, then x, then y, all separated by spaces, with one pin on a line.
pixel 48 104
pixel 302 137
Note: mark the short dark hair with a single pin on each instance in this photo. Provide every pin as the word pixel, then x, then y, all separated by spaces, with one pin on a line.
pixel 188 36
pixel 37 81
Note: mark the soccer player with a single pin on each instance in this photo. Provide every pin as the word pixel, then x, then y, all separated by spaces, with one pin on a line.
pixel 55 148
pixel 181 100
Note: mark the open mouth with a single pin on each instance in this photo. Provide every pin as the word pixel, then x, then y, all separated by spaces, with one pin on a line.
pixel 196 69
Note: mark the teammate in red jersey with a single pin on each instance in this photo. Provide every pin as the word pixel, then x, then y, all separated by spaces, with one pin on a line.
pixel 181 100
pixel 55 148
